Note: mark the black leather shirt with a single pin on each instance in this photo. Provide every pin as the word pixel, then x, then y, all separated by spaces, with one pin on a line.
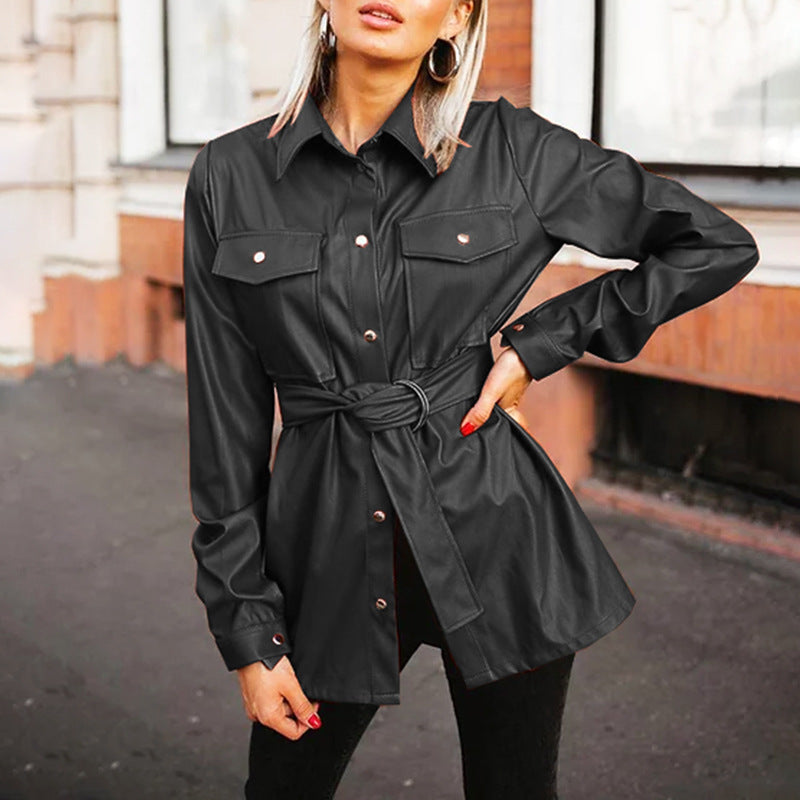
pixel 364 288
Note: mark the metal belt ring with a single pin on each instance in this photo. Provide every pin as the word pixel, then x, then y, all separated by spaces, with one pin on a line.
pixel 423 398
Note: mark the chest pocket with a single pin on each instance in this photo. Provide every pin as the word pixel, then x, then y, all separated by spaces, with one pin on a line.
pixel 454 263
pixel 275 275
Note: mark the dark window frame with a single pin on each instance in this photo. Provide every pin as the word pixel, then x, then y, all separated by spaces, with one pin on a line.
pixel 168 141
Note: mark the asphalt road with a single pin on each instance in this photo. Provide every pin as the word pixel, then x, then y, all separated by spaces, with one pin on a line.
pixel 111 687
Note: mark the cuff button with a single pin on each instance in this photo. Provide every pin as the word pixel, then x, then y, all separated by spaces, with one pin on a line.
pixel 518 326
pixel 278 638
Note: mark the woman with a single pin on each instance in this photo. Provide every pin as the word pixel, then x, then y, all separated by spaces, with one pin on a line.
pixel 356 252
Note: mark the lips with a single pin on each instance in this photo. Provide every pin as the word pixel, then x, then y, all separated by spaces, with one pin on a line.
pixel 381 7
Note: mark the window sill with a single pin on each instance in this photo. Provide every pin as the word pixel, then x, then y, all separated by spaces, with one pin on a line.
pixel 172 159
pixel 740 191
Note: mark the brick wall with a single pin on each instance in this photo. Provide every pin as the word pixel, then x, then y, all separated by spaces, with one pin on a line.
pixel 507 61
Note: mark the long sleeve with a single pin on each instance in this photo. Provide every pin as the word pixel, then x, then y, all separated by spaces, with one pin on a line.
pixel 604 201
pixel 231 414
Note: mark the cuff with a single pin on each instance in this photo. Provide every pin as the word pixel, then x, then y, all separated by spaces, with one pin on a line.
pixel 255 643
pixel 269 663
pixel 534 347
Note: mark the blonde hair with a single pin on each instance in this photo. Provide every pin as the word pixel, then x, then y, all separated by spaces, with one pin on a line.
pixel 439 108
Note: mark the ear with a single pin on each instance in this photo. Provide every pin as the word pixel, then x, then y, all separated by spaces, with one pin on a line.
pixel 456 21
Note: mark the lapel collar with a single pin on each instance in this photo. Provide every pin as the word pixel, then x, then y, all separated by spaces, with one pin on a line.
pixel 310 123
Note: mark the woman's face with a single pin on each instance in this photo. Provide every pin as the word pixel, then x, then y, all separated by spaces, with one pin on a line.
pixel 417 25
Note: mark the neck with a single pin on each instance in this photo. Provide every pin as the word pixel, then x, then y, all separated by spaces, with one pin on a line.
pixel 362 99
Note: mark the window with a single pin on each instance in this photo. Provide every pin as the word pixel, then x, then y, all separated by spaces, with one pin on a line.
pixel 208 87
pixel 191 70
pixel 701 85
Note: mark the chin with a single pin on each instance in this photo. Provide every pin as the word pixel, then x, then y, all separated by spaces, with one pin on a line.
pixel 379 51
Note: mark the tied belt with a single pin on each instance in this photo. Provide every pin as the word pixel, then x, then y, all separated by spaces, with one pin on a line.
pixel 391 412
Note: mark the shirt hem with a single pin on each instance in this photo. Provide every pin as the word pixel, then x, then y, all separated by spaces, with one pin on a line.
pixel 606 624
pixel 610 621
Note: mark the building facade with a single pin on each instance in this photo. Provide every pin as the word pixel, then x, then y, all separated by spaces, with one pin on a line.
pixel 106 102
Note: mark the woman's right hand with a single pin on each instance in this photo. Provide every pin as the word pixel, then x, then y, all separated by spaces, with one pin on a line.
pixel 270 697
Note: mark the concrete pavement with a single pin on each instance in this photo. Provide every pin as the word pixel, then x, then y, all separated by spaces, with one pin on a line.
pixel 111 687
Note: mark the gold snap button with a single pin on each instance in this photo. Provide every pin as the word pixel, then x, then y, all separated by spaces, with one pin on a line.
pixel 518 326
pixel 362 240
pixel 259 256
pixel 463 238
pixel 379 516
pixel 380 603
pixel 370 335
pixel 278 638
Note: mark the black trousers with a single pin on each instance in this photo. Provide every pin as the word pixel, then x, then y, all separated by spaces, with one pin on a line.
pixel 508 730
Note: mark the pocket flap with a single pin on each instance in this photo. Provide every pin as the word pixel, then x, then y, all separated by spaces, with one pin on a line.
pixel 255 257
pixel 463 235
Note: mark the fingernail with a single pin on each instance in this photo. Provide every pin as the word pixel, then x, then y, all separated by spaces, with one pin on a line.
pixel 314 721
pixel 467 428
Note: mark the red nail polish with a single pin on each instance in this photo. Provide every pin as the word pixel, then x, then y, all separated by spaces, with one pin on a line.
pixel 314 721
pixel 467 428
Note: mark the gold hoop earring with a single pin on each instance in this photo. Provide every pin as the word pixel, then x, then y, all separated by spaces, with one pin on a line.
pixel 455 57
pixel 327 37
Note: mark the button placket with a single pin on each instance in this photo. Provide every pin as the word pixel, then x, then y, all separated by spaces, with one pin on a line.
pixel 372 366
pixel 381 589
pixel 364 277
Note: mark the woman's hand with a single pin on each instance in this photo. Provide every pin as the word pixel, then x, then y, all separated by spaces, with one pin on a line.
pixel 505 384
pixel 271 695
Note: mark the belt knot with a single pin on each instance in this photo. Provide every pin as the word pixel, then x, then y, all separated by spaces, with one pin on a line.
pixel 388 412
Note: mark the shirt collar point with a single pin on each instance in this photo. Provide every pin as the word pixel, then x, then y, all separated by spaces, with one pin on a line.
pixel 431 166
